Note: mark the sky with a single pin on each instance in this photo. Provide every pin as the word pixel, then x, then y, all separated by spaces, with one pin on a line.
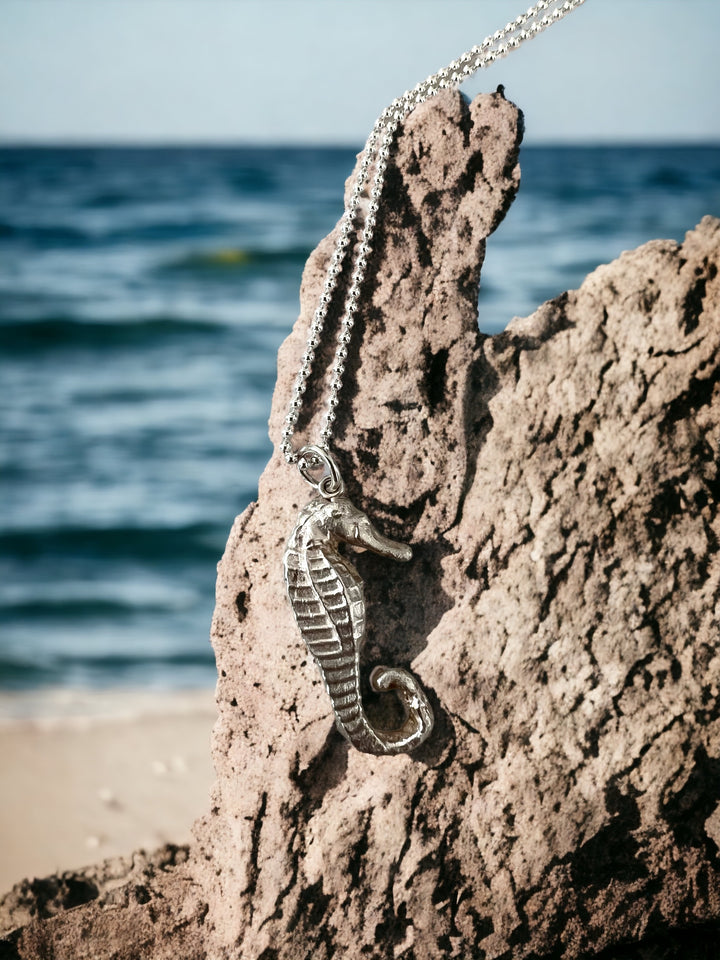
pixel 320 71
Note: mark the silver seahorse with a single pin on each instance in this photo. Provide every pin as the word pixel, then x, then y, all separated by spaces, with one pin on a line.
pixel 327 598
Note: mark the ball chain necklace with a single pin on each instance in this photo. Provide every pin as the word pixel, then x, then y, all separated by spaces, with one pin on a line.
pixel 324 588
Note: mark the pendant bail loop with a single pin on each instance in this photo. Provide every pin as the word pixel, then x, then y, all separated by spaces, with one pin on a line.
pixel 319 469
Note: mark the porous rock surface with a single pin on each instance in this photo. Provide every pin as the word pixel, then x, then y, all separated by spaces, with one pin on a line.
pixel 125 908
pixel 559 485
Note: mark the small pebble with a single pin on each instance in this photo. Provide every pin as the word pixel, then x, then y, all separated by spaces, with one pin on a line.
pixel 179 764
pixel 106 795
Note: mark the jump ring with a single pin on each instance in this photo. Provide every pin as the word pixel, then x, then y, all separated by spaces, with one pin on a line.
pixel 313 458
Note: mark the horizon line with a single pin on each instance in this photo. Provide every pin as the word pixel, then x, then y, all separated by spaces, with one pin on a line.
pixel 78 143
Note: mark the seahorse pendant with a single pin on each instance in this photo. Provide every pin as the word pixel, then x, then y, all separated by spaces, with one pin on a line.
pixel 327 598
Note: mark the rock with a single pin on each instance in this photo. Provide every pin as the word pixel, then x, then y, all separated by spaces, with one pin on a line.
pixel 559 485
pixel 455 177
pixel 122 909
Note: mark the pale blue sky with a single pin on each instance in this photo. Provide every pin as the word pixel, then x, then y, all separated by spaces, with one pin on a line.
pixel 321 70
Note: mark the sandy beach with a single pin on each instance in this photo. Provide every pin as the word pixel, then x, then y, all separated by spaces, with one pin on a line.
pixel 86 775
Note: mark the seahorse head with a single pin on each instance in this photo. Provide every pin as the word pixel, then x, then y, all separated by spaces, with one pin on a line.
pixel 330 521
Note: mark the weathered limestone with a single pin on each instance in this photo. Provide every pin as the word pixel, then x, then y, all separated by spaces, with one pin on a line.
pixel 559 484
pixel 125 908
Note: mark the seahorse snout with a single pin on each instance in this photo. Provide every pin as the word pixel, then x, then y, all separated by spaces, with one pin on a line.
pixel 356 528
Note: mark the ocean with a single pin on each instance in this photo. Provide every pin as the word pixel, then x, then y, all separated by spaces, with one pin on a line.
pixel 143 297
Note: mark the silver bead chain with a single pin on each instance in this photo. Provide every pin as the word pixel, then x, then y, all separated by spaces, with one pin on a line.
pixel 357 225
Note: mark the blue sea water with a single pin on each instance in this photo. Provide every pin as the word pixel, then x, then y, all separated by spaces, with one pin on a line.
pixel 143 296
